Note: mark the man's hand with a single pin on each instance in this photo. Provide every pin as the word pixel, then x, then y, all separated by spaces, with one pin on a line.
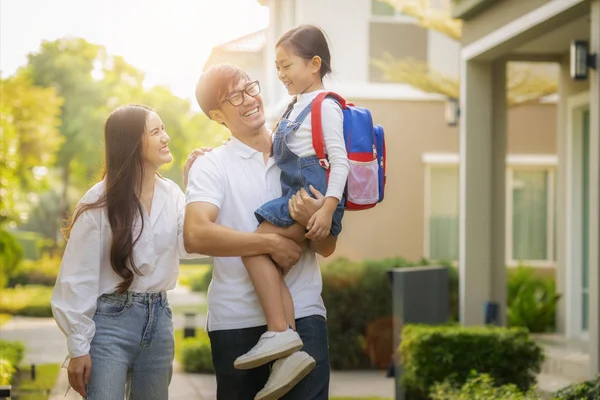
pixel 285 252
pixel 190 160
pixel 302 206
pixel 79 370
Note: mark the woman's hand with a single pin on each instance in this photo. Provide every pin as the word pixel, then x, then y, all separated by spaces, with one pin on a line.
pixel 190 160
pixel 79 370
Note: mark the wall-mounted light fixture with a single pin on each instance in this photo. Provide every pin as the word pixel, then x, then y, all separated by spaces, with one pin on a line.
pixel 581 60
pixel 452 113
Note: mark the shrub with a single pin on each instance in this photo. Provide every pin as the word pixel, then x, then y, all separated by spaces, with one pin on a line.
pixel 200 281
pixel 40 272
pixel 6 372
pixel 196 355
pixel 358 297
pixel 432 354
pixel 531 300
pixel 30 301
pixel 589 390
pixel 12 351
pixel 11 254
pixel 480 387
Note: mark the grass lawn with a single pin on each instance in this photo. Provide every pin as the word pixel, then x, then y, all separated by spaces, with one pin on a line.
pixel 358 398
pixel 27 300
pixel 45 378
pixel 188 271
pixel 4 318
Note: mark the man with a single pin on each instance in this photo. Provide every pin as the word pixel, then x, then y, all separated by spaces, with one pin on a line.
pixel 224 189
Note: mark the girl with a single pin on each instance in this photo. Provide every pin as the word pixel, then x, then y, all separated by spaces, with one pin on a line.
pixel 302 61
pixel 123 251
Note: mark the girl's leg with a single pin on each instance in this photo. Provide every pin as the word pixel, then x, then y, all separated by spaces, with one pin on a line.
pixel 275 298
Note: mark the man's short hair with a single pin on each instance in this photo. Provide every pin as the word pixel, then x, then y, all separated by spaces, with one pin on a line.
pixel 215 83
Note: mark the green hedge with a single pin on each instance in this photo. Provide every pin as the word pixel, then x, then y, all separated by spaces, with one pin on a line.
pixel 11 254
pixel 589 390
pixel 432 354
pixel 194 354
pixel 481 387
pixel 39 272
pixel 12 351
pixel 29 301
pixel 11 355
pixel 199 282
pixel 358 297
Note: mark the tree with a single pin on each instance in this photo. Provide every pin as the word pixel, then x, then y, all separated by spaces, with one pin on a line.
pixel 67 65
pixel 29 139
pixel 524 82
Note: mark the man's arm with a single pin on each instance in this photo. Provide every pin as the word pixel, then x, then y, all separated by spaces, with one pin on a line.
pixel 325 247
pixel 201 234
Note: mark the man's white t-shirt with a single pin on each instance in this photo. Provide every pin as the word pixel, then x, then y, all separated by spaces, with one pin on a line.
pixel 235 178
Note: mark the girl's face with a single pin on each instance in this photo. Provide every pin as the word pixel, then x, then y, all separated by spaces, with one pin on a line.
pixel 297 74
pixel 155 149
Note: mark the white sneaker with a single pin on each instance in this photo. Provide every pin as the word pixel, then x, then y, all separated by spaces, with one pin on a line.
pixel 271 346
pixel 286 373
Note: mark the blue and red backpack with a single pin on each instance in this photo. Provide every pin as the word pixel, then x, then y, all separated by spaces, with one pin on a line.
pixel 365 144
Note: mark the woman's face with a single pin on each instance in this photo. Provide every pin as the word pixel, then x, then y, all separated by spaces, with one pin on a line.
pixel 155 148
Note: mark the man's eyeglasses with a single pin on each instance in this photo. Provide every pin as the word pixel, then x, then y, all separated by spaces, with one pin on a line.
pixel 236 98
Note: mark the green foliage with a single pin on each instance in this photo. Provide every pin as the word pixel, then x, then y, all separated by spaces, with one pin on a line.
pixel 589 390
pixel 29 139
pixel 194 354
pixel 532 300
pixel 200 281
pixel 39 272
pixel 30 301
pixel 358 297
pixel 11 254
pixel 433 354
pixel 6 372
pixel 480 387
pixel 12 351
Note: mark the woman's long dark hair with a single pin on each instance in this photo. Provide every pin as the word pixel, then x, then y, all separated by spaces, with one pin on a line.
pixel 123 174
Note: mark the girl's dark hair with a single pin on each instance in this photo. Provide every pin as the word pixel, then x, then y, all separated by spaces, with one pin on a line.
pixel 124 135
pixel 307 41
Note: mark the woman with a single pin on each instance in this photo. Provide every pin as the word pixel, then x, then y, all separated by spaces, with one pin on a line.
pixel 122 255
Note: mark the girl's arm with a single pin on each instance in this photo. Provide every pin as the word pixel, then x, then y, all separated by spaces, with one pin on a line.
pixel 335 147
pixel 77 285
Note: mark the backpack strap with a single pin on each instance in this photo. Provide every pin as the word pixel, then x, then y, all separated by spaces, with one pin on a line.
pixel 317 126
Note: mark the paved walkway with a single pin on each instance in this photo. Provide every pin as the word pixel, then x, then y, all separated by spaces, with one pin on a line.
pixel 46 344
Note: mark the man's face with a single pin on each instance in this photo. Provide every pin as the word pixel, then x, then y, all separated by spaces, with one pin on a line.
pixel 242 109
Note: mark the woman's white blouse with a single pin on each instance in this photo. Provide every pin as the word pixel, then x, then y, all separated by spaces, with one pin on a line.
pixel 86 273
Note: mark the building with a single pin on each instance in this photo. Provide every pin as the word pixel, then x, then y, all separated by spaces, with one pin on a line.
pixel 494 33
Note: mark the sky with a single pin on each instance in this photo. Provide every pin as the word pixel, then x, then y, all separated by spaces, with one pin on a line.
pixel 167 39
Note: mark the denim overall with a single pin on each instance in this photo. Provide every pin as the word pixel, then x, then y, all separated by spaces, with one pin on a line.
pixel 296 173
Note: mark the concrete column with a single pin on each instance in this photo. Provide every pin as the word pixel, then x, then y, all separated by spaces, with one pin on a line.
pixel 482 189
pixel 594 226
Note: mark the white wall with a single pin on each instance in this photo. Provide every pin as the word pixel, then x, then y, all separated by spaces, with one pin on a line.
pixel 346 23
pixel 443 54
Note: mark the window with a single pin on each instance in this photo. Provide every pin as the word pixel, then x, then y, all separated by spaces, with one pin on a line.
pixel 530 208
pixel 381 8
pixel 530 201
pixel 442 215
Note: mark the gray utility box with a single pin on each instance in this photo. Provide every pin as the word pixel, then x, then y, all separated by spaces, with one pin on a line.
pixel 420 295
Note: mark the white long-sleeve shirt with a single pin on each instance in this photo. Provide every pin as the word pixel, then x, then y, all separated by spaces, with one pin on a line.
pixel 332 119
pixel 86 273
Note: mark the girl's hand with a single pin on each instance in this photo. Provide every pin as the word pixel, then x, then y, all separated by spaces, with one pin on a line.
pixel 190 160
pixel 302 206
pixel 319 225
pixel 79 370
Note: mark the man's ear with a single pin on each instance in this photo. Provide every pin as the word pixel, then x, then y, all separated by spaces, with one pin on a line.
pixel 216 115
